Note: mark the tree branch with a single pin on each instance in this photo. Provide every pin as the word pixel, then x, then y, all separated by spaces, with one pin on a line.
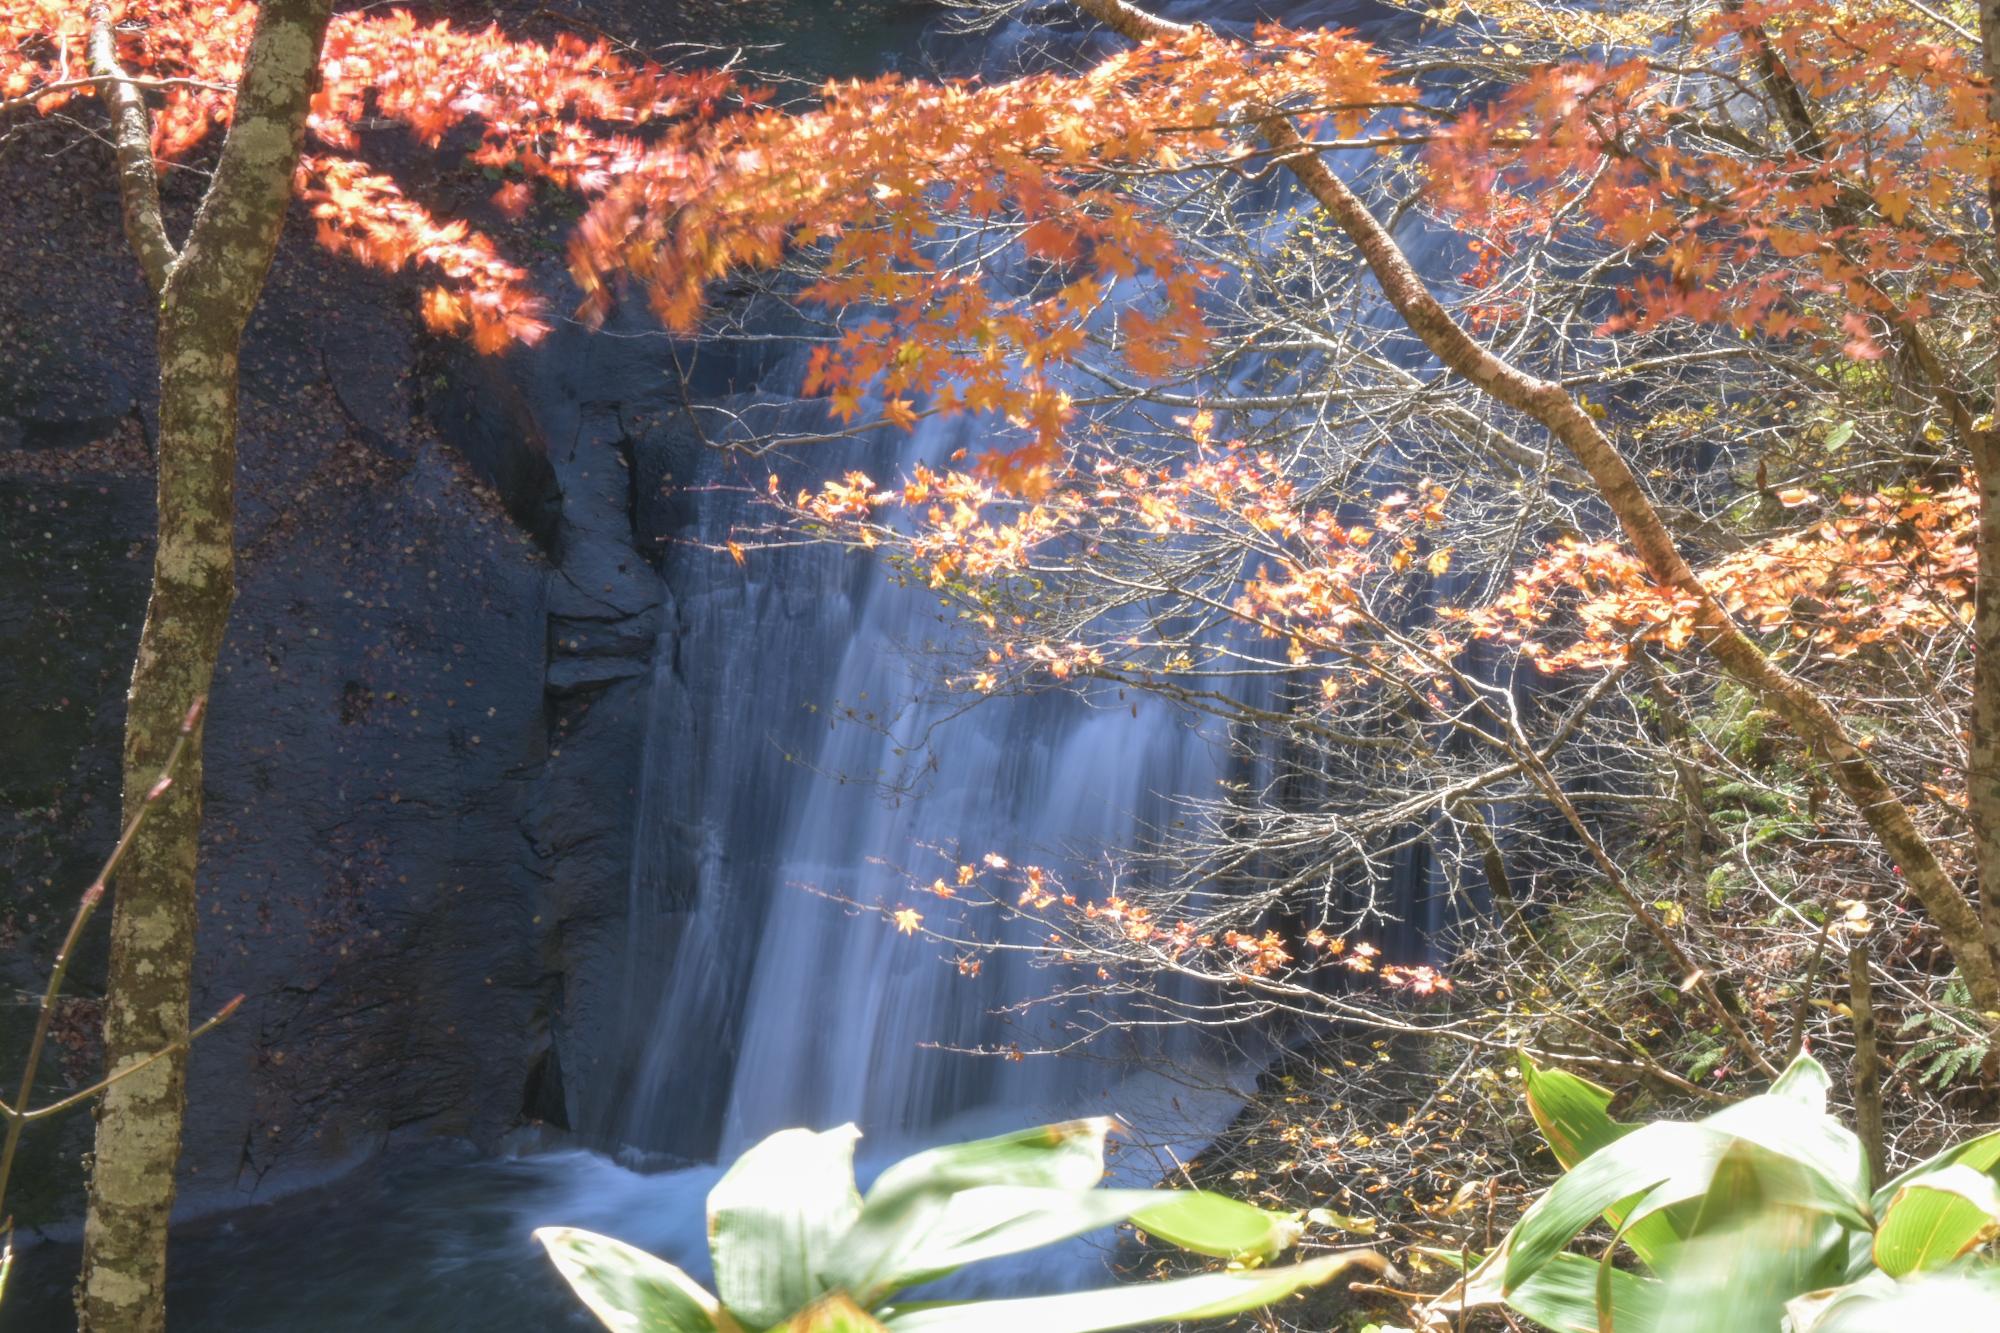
pixel 100 80
pixel 132 134
pixel 1564 418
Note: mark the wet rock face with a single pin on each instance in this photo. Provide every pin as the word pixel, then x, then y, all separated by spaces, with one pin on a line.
pixel 426 730
pixel 423 734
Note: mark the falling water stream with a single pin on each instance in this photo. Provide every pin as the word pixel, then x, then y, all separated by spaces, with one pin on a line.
pixel 794 767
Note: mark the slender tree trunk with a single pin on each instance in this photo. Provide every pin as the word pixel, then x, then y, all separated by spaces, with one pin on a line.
pixel 1982 776
pixel 1983 768
pixel 206 293
pixel 1970 940
pixel 1867 1077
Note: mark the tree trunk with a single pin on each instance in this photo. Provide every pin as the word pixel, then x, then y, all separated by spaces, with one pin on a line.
pixel 206 294
pixel 1983 768
pixel 1867 1076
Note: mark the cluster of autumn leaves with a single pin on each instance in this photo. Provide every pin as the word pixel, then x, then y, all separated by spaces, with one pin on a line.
pixel 1874 569
pixel 1036 892
pixel 921 200
pixel 1859 228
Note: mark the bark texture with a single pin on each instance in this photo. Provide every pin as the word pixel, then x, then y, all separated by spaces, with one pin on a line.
pixel 1983 767
pixel 206 293
pixel 1971 941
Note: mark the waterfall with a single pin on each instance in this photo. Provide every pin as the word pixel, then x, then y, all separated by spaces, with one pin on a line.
pixel 796 765
pixel 756 995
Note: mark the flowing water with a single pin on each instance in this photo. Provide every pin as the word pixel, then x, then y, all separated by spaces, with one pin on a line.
pixel 788 777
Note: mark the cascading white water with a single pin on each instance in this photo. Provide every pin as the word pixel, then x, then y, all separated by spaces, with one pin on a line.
pixel 757 996
pixel 777 992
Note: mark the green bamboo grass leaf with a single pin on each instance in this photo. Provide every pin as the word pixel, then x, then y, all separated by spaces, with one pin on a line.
pixel 1065 1155
pixel 1652 1167
pixel 1658 1166
pixel 629 1290
pixel 1209 1296
pixel 1564 1295
pixel 1982 1154
pixel 1218 1226
pixel 910 1227
pixel 989 1221
pixel 1935 1218
pixel 1945 1302
pixel 1571 1113
pixel 1762 1236
pixel 994 1220
pixel 1791 1122
pixel 1804 1081
pixel 776 1218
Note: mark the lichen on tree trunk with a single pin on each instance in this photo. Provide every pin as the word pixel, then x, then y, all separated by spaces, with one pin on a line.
pixel 206 293
pixel 153 922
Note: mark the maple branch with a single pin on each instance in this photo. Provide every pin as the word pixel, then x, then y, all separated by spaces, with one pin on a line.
pixel 1809 715
pixel 1782 88
pixel 229 247
pixel 132 133
pixel 99 80
pixel 1807 139
pixel 82 1095
pixel 1131 22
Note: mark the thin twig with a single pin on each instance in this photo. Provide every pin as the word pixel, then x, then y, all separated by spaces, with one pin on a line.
pixel 19 1114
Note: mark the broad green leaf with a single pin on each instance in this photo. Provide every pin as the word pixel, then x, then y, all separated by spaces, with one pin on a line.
pixel 1791 1121
pixel 1570 1112
pixel 1804 1312
pixel 993 1220
pixel 1805 1082
pixel 629 1290
pixel 1209 1296
pixel 775 1219
pixel 1655 1165
pixel 1563 1295
pixel 1065 1155
pixel 911 1226
pixel 988 1221
pixel 1935 1218
pixel 1484 1285
pixel 1759 1239
pixel 1981 1154
pixel 1216 1225
pixel 1934 1302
